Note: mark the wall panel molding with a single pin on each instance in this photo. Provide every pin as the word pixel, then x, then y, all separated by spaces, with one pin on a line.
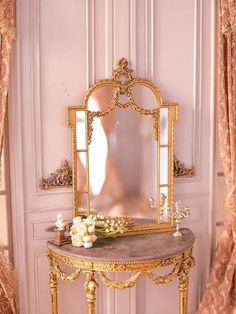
pixel 36 257
pixel 196 144
pixel 37 135
pixel 149 40
pixel 109 37
pixel 197 109
pixel 36 92
pixel 133 33
pixel 90 42
pixel 36 47
pixel 132 293
pixel 16 158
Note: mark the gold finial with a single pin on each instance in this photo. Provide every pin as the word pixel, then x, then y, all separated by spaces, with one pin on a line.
pixel 122 72
pixel 123 63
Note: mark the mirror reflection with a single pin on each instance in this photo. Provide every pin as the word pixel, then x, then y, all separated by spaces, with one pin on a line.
pixel 123 182
pixel 144 97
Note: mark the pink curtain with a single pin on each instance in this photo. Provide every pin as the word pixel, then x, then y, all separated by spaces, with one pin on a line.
pixel 7 34
pixel 7 285
pixel 220 294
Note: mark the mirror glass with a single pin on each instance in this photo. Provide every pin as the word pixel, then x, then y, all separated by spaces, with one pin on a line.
pixel 81 139
pixel 163 165
pixel 122 156
pixel 164 126
pixel 144 97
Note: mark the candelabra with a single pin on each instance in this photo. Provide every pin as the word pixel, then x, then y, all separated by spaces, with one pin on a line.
pixel 179 212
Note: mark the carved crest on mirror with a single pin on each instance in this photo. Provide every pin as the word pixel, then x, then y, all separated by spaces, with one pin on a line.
pixel 122 151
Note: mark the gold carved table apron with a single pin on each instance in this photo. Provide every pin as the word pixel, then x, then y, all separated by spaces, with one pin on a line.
pixel 139 254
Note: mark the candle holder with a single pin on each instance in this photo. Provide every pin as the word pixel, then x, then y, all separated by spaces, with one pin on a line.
pixel 179 212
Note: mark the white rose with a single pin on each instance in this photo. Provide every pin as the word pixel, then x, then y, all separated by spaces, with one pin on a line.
pixel 77 220
pixel 82 229
pixel 77 241
pixel 87 238
pixel 88 245
pixel 91 229
pixel 73 231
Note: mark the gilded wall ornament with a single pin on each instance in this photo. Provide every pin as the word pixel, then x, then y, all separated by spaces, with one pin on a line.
pixel 62 177
pixel 180 169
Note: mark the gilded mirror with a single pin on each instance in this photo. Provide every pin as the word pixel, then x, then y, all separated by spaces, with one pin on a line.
pixel 122 151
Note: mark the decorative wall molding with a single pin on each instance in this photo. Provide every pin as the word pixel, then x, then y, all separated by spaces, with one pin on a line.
pixel 149 40
pixel 35 10
pixel 90 42
pixel 197 90
pixel 109 37
pixel 133 33
pixel 16 156
pixel 37 109
pixel 62 177
pixel 36 257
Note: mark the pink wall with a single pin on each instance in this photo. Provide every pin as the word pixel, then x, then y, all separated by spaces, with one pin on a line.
pixel 63 47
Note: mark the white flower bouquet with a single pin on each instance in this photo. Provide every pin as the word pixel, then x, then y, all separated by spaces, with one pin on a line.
pixel 84 231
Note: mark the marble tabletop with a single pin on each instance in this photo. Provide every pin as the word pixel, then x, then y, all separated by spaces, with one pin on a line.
pixel 133 248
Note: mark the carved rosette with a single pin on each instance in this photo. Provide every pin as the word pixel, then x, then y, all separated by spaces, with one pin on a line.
pixel 62 177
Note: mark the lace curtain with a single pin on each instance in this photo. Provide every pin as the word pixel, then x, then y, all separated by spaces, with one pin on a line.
pixel 220 294
pixel 7 33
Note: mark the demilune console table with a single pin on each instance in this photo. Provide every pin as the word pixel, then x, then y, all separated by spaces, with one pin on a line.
pixel 139 254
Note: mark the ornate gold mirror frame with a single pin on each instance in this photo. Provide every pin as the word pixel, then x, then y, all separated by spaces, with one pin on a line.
pixel 81 119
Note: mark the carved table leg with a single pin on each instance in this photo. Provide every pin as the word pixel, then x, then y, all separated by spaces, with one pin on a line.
pixel 90 287
pixel 187 263
pixel 53 291
pixel 183 295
